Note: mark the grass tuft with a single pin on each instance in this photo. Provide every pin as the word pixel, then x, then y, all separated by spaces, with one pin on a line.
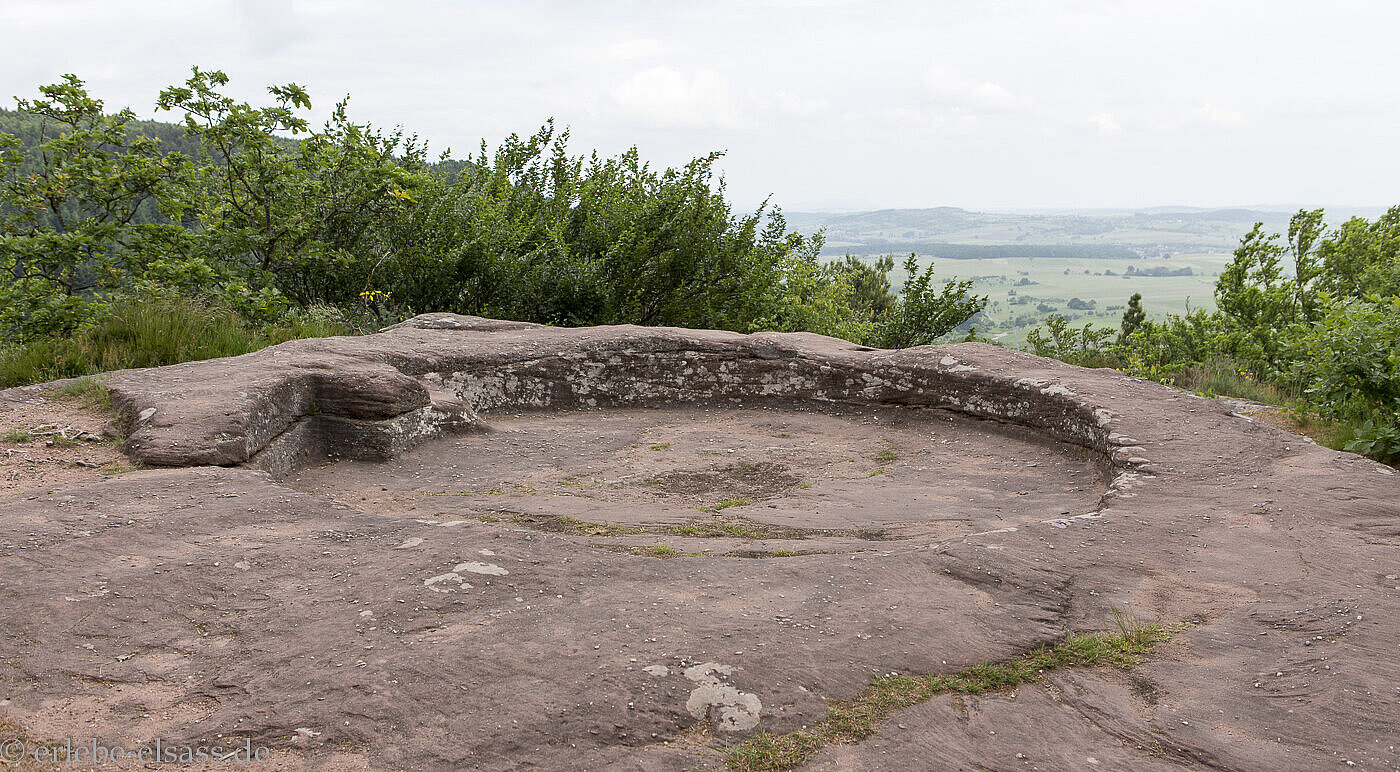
pixel 118 467
pixel 1224 377
pixel 153 332
pixel 733 501
pixel 850 721
pixel 573 526
pixel 88 391
pixel 659 551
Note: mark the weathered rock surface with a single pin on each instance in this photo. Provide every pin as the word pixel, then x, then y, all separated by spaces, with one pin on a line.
pixel 240 593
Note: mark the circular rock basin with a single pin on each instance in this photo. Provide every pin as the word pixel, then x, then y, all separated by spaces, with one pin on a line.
pixel 462 596
pixel 824 478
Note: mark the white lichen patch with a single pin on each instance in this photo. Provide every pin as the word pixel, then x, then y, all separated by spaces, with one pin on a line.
pixel 1057 391
pixel 477 567
pixel 447 523
pixel 453 581
pixel 448 582
pixel 737 711
pixel 1065 522
pixel 1122 483
pixel 1127 452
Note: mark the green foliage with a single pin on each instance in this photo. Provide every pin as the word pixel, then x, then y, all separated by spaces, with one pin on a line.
pixel 150 333
pixel 305 219
pixel 1084 346
pixel 1348 365
pixel 925 313
pixel 69 235
pixel 1133 317
pixel 812 298
pixel 268 218
pixel 1363 257
pixel 1377 438
pixel 1297 323
pixel 870 283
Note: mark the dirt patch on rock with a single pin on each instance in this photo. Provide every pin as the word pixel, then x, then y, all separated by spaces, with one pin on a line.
pixel 747 480
pixel 47 440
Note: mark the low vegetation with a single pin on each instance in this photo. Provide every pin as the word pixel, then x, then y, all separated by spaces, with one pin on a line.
pixel 850 721
pixel 732 501
pixel 130 244
pixel 148 333
pixel 1308 321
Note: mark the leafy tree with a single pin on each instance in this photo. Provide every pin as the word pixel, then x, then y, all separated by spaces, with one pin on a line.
pixel 1086 346
pixel 1362 257
pixel 302 219
pixel 813 299
pixel 1304 230
pixel 1133 317
pixel 925 313
pixel 69 230
pixel 870 283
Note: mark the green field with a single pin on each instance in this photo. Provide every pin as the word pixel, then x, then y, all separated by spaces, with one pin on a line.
pixel 1021 292
pixel 1032 265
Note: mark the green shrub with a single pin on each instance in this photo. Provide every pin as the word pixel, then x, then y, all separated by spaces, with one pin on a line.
pixel 1348 364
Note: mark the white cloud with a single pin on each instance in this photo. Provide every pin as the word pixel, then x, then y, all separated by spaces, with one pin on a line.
pixel 1104 123
pixel 270 25
pixel 798 106
pixel 636 48
pixel 949 87
pixel 813 3
pixel 1211 114
pixel 663 96
pixel 790 81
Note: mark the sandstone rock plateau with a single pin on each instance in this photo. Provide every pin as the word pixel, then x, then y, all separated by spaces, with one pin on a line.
pixel 463 543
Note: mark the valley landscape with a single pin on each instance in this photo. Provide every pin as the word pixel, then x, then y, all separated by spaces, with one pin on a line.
pixel 1032 264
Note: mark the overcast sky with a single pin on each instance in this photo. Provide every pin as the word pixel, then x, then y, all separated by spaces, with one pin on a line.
pixel 983 104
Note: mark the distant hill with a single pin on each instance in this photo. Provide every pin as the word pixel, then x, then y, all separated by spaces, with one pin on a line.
pixel 945 231
pixel 955 233
pixel 172 138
